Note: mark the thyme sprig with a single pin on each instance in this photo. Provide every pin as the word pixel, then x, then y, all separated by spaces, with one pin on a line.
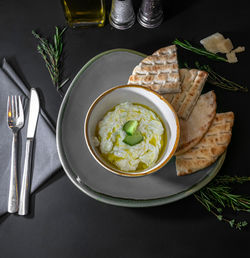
pixel 218 195
pixel 199 51
pixel 218 80
pixel 51 54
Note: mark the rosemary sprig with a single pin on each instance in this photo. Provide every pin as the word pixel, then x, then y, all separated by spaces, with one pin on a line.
pixel 225 179
pixel 199 51
pixel 51 54
pixel 218 195
pixel 218 80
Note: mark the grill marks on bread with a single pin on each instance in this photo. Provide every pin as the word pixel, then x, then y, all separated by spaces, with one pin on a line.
pixel 192 82
pixel 211 146
pixel 159 72
pixel 201 118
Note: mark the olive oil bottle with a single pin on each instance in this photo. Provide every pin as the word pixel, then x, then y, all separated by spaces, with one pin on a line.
pixel 84 13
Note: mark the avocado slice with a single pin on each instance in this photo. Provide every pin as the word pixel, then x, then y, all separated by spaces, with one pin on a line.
pixel 133 139
pixel 130 127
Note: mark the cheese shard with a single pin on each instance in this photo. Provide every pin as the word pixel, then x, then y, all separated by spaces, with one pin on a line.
pixel 239 49
pixel 210 42
pixel 224 46
pixel 231 57
pixel 216 43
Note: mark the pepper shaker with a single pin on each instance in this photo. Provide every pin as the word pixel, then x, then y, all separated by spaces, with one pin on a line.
pixel 150 14
pixel 122 14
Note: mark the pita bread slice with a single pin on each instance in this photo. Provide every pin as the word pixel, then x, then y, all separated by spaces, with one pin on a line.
pixel 192 82
pixel 211 146
pixel 158 72
pixel 201 118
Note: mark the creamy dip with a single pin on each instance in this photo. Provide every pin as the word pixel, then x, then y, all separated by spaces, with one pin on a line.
pixel 110 136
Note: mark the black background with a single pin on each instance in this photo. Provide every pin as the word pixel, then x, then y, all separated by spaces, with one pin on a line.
pixel 65 222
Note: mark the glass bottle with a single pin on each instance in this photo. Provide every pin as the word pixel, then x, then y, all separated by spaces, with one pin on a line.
pixel 84 13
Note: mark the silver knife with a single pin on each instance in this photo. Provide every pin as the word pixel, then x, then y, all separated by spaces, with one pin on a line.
pixel 34 107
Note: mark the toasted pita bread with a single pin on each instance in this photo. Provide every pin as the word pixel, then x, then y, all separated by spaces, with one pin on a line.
pixel 201 118
pixel 192 82
pixel 158 72
pixel 211 146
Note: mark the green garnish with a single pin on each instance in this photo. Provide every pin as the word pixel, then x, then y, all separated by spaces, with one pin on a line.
pixel 51 54
pixel 199 51
pixel 133 136
pixel 133 139
pixel 217 80
pixel 130 127
pixel 218 195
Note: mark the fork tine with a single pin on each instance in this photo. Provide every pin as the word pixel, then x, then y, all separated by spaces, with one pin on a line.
pixel 16 107
pixel 9 107
pixel 21 115
pixel 13 111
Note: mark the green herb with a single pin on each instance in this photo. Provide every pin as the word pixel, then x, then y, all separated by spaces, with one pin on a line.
pixel 51 53
pixel 218 80
pixel 199 51
pixel 133 139
pixel 130 127
pixel 225 179
pixel 133 136
pixel 218 195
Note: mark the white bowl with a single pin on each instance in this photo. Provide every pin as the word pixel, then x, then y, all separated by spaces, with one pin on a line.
pixel 134 94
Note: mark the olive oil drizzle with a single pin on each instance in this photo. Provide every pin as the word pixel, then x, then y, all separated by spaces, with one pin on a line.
pixel 141 166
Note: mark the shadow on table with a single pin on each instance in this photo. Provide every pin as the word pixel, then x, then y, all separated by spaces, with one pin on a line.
pixel 50 181
pixel 32 203
pixel 187 208
pixel 4 217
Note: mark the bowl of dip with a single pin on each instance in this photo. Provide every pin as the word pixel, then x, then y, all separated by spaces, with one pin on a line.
pixel 131 130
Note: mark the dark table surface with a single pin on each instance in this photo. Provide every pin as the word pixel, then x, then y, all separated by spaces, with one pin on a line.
pixel 65 222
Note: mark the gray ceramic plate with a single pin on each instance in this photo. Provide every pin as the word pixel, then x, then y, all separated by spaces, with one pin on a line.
pixel 102 72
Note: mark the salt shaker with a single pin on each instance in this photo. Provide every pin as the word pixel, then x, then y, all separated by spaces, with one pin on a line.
pixel 150 14
pixel 122 14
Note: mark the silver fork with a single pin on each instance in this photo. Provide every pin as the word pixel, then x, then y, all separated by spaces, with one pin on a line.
pixel 15 120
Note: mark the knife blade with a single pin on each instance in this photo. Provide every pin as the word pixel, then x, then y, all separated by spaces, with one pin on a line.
pixel 33 113
pixel 34 107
